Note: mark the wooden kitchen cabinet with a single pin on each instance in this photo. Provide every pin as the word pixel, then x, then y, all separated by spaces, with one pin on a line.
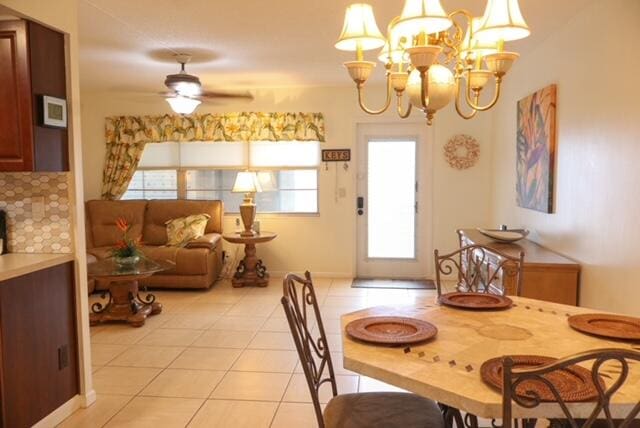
pixel 32 64
pixel 39 369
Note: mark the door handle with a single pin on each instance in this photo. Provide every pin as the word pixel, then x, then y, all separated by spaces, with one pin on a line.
pixel 360 205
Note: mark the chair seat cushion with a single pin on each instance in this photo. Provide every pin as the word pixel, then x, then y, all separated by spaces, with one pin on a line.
pixel 382 410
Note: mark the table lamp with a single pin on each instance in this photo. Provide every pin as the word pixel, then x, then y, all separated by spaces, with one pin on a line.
pixel 247 183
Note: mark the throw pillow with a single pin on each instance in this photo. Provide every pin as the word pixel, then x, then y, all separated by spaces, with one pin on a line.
pixel 182 230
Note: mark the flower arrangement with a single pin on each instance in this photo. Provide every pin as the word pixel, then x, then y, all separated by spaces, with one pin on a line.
pixel 127 249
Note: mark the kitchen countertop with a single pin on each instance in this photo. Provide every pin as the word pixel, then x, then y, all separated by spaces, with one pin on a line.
pixel 17 264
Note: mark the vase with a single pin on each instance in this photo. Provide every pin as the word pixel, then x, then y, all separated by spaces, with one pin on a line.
pixel 127 261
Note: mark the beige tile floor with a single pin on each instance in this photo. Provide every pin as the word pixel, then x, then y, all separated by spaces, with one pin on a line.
pixel 219 358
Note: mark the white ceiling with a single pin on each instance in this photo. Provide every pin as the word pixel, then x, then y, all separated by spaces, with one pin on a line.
pixel 127 45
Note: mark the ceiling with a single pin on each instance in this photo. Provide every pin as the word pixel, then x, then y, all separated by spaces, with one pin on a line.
pixel 128 45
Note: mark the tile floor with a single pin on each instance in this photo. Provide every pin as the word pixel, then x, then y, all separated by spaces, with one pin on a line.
pixel 219 358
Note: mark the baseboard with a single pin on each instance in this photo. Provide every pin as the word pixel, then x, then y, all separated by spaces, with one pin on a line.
pixel 314 274
pixel 61 413
pixel 89 398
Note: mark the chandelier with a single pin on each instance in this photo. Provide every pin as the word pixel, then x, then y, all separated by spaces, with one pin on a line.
pixel 433 56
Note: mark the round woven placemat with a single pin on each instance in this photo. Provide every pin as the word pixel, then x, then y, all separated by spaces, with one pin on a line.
pixel 476 301
pixel 391 330
pixel 605 325
pixel 574 383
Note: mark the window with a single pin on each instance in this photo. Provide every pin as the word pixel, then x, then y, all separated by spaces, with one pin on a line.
pixel 153 184
pixel 295 191
pixel 207 170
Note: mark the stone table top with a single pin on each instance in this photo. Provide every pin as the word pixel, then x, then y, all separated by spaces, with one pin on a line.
pixel 447 368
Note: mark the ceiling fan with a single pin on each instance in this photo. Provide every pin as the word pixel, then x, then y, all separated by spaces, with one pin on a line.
pixel 186 93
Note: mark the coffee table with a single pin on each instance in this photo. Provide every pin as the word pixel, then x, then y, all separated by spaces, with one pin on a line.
pixel 125 302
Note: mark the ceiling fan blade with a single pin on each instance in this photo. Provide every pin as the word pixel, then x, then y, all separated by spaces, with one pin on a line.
pixel 217 94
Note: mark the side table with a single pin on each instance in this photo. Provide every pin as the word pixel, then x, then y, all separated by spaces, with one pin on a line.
pixel 250 270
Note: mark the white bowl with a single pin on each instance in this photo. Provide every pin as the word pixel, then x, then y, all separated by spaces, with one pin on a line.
pixel 504 235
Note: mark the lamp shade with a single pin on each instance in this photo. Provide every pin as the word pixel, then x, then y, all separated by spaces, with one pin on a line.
pixel 360 29
pixel 183 105
pixel 502 20
pixel 471 46
pixel 246 182
pixel 422 16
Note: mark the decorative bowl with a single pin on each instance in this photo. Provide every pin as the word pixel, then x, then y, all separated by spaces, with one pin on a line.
pixel 127 261
pixel 510 235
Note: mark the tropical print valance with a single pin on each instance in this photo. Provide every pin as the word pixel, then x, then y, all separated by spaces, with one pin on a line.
pixel 247 126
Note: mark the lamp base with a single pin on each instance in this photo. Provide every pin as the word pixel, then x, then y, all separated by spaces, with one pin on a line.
pixel 248 215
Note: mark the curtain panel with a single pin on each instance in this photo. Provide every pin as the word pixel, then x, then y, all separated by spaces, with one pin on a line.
pixel 127 135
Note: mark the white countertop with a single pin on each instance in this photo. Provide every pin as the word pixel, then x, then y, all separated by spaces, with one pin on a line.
pixel 17 264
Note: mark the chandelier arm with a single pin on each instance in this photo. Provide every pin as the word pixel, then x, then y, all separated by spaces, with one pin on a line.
pixel 493 102
pixel 409 108
pixel 387 103
pixel 459 108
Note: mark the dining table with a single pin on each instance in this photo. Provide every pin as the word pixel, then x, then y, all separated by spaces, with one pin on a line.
pixel 447 367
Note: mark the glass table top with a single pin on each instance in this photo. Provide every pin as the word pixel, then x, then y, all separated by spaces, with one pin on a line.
pixel 108 267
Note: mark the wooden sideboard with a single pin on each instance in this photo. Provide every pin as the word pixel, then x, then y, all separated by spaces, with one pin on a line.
pixel 547 275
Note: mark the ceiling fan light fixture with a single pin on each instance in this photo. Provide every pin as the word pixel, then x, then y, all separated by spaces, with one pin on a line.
pixel 183 105
pixel 187 89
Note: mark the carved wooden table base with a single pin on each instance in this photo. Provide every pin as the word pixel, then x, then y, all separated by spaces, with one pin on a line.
pixel 250 270
pixel 125 304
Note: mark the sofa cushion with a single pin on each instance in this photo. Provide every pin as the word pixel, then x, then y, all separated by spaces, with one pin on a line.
pixel 188 261
pixel 103 215
pixel 100 253
pixel 160 211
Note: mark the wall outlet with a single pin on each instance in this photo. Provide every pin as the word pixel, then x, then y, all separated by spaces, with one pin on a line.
pixel 63 357
pixel 37 208
pixel 237 222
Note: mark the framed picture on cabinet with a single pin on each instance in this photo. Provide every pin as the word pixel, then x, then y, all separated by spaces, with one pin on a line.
pixel 54 112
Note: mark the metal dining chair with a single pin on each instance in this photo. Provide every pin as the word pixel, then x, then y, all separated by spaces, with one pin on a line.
pixel 480 269
pixel 357 410
pixel 600 415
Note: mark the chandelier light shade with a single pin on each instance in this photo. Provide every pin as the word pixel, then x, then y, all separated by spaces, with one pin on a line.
pixel 183 105
pixel 360 31
pixel 422 16
pixel 435 57
pixel 502 20
pixel 472 47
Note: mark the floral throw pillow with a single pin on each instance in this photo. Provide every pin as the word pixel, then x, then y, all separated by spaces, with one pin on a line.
pixel 182 230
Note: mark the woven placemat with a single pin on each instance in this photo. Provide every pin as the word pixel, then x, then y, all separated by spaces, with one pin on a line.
pixel 391 330
pixel 476 301
pixel 573 383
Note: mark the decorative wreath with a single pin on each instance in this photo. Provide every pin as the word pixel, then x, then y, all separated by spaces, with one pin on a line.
pixel 462 151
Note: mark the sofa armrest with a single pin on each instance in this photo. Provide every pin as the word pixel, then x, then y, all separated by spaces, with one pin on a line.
pixel 208 240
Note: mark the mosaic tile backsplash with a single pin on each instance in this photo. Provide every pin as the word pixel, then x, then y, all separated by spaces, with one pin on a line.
pixel 48 233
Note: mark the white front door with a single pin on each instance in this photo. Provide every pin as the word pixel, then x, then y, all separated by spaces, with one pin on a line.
pixel 393 202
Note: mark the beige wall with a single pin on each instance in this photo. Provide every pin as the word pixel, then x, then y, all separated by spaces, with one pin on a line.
pixel 593 59
pixel 323 244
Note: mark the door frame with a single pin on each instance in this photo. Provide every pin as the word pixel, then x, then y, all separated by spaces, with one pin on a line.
pixel 366 131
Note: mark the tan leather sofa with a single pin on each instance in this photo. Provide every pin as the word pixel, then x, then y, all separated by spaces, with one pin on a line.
pixel 197 265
